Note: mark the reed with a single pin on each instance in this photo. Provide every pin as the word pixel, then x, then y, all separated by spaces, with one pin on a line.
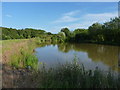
pixel 74 75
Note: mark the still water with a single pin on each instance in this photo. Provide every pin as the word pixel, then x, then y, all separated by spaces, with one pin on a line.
pixel 90 55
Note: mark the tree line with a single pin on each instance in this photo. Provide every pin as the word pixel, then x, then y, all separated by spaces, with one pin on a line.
pixel 108 33
pixel 10 33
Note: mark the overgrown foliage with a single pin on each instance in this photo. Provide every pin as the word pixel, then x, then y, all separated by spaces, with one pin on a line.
pixel 107 33
pixel 19 53
pixel 74 75
pixel 9 33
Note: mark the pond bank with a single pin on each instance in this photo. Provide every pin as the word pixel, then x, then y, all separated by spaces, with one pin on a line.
pixel 17 73
pixel 16 78
pixel 15 53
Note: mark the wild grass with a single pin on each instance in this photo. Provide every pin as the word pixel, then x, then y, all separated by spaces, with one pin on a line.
pixel 7 44
pixel 24 59
pixel 74 75
pixel 20 53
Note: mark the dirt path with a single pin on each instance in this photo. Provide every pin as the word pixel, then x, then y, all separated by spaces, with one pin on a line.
pixel 18 78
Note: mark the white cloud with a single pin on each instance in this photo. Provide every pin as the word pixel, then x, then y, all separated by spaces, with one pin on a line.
pixel 67 17
pixel 83 25
pixel 72 13
pixel 8 15
pixel 87 20
pixel 100 17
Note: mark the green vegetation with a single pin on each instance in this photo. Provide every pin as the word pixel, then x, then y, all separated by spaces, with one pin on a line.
pixel 74 75
pixel 9 33
pixel 107 33
pixel 7 44
pixel 24 58
pixel 18 53
pixel 68 75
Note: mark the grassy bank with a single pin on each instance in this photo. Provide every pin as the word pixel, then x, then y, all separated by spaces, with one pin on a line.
pixel 17 57
pixel 19 53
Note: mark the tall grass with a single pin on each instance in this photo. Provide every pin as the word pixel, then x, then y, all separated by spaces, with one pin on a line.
pixel 7 44
pixel 24 59
pixel 20 53
pixel 73 75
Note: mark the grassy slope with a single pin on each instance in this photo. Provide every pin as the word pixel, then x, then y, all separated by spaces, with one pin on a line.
pixel 19 52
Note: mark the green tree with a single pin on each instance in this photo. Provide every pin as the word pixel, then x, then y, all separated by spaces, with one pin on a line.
pixel 95 32
pixel 66 31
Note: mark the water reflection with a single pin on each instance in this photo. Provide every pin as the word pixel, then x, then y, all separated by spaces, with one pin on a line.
pixel 91 55
pixel 119 56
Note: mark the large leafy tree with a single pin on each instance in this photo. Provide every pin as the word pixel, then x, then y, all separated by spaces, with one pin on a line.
pixel 112 24
pixel 66 31
pixel 95 32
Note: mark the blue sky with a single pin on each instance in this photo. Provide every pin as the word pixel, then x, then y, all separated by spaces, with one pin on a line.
pixel 52 16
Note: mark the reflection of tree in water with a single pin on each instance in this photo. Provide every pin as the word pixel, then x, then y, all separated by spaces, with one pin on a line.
pixel 98 53
pixel 44 44
pixel 119 57
pixel 64 47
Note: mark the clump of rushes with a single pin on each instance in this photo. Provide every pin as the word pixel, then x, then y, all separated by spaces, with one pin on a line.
pixel 25 58
pixel 73 75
